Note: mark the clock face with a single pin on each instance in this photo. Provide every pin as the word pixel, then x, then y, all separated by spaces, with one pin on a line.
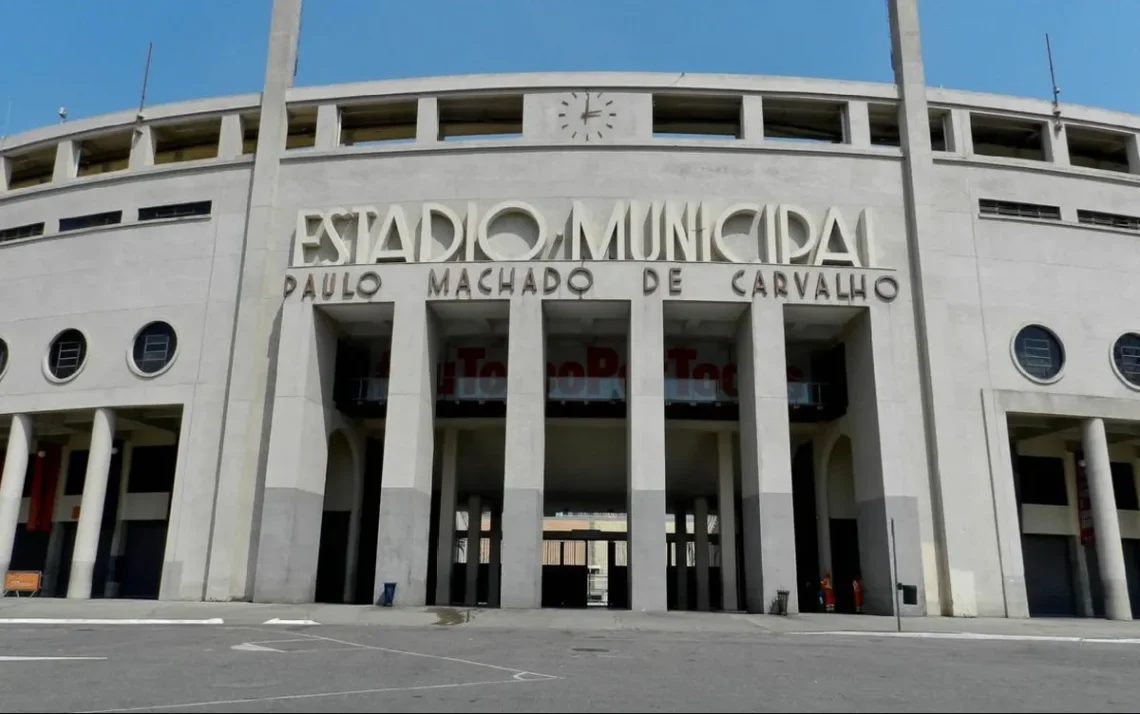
pixel 586 116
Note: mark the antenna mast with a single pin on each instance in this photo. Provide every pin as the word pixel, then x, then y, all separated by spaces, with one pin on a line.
pixel 1053 81
pixel 146 78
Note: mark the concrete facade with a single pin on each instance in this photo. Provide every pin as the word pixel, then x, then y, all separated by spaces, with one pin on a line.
pixel 914 242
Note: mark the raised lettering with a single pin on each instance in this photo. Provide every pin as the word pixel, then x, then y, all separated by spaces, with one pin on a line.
pixel 481 284
pixel 529 284
pixel 839 294
pixel 463 284
pixel 887 288
pixel 674 281
pixel 736 282
pixel 368 284
pixel 304 238
pixel 310 288
pixel 505 207
pixel 290 285
pixel 721 247
pixel 346 290
pixel 507 284
pixel 438 286
pixel 780 284
pixel 860 291
pixel 790 252
pixel 801 282
pixel 580 280
pixel 427 235
pixel 758 286
pixel 649 281
pixel 821 287
pixel 598 245
pixel 678 232
pixel 550 281
pixel 395 224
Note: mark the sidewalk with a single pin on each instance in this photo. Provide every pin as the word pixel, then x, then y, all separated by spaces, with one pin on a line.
pixel 63 612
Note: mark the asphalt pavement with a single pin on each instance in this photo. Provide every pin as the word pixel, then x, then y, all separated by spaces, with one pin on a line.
pixel 447 666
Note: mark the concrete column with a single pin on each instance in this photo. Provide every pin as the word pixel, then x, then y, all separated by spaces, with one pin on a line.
pixel 496 536
pixel 427 121
pixel 883 493
pixel 5 173
pixel 118 540
pixel 822 445
pixel 681 555
pixel 231 141
pixel 409 449
pixel 12 484
pixel 297 462
pixel 352 552
pixel 1109 549
pixel 726 520
pixel 645 404
pixel 266 246
pixel 328 127
pixel 66 160
pixel 752 118
pixel 959 135
pixel 765 459
pixel 91 507
pixel 445 541
pixel 701 541
pixel 524 473
pixel 858 124
pixel 142 147
pixel 1133 154
pixel 1081 585
pixel 474 548
pixel 1056 141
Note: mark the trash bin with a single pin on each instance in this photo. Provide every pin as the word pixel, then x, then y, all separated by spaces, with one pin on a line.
pixel 782 602
pixel 389 595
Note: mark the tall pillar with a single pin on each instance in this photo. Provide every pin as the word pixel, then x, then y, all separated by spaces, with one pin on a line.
pixel 681 555
pixel 726 520
pixel 409 448
pixel 883 491
pixel 645 404
pixel 701 541
pixel 352 552
pixel 1109 549
pixel 12 485
pixel 524 473
pixel 266 246
pixel 496 536
pixel 297 459
pixel 91 505
pixel 765 460
pixel 474 548
pixel 1081 584
pixel 445 543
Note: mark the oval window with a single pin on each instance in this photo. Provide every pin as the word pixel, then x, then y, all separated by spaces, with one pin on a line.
pixel 1038 353
pixel 66 355
pixel 154 348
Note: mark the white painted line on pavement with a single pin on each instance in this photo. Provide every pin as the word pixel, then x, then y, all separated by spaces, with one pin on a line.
pixel 976 636
pixel 103 621
pixel 20 658
pixel 313 695
pixel 279 621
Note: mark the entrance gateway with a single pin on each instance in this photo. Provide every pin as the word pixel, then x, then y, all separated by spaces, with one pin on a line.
pixel 483 441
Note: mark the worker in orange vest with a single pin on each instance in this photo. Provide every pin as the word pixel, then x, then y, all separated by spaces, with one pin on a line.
pixel 828 593
pixel 857 586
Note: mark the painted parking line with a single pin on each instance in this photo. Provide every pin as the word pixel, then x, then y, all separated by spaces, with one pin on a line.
pixel 21 658
pixel 975 636
pixel 279 621
pixel 104 621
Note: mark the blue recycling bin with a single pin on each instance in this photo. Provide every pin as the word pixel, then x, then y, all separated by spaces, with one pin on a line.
pixel 389 595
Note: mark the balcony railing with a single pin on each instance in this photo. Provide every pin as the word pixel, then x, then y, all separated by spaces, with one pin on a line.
pixel 374 390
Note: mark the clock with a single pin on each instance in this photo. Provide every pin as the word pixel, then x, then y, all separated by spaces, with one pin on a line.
pixel 586 116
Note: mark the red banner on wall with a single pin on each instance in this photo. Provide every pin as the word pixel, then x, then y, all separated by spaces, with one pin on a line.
pixel 1084 503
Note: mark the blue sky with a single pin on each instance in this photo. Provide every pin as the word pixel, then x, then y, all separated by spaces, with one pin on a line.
pixel 93 63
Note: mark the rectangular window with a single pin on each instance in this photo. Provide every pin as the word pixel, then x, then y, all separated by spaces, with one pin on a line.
pixel 1124 486
pixel 104 154
pixel 990 207
pixel 191 141
pixel 939 123
pixel 32 168
pixel 90 221
pixel 485 117
pixel 302 128
pixel 152 469
pixel 29 231
pixel 1115 220
pixel 1042 480
pixel 175 210
pixel 697 115
pixel 1097 149
pixel 804 120
pixel 884 121
pixel 1008 137
pixel 384 123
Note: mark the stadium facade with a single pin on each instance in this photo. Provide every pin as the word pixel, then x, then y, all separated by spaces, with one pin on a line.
pixel 649 341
